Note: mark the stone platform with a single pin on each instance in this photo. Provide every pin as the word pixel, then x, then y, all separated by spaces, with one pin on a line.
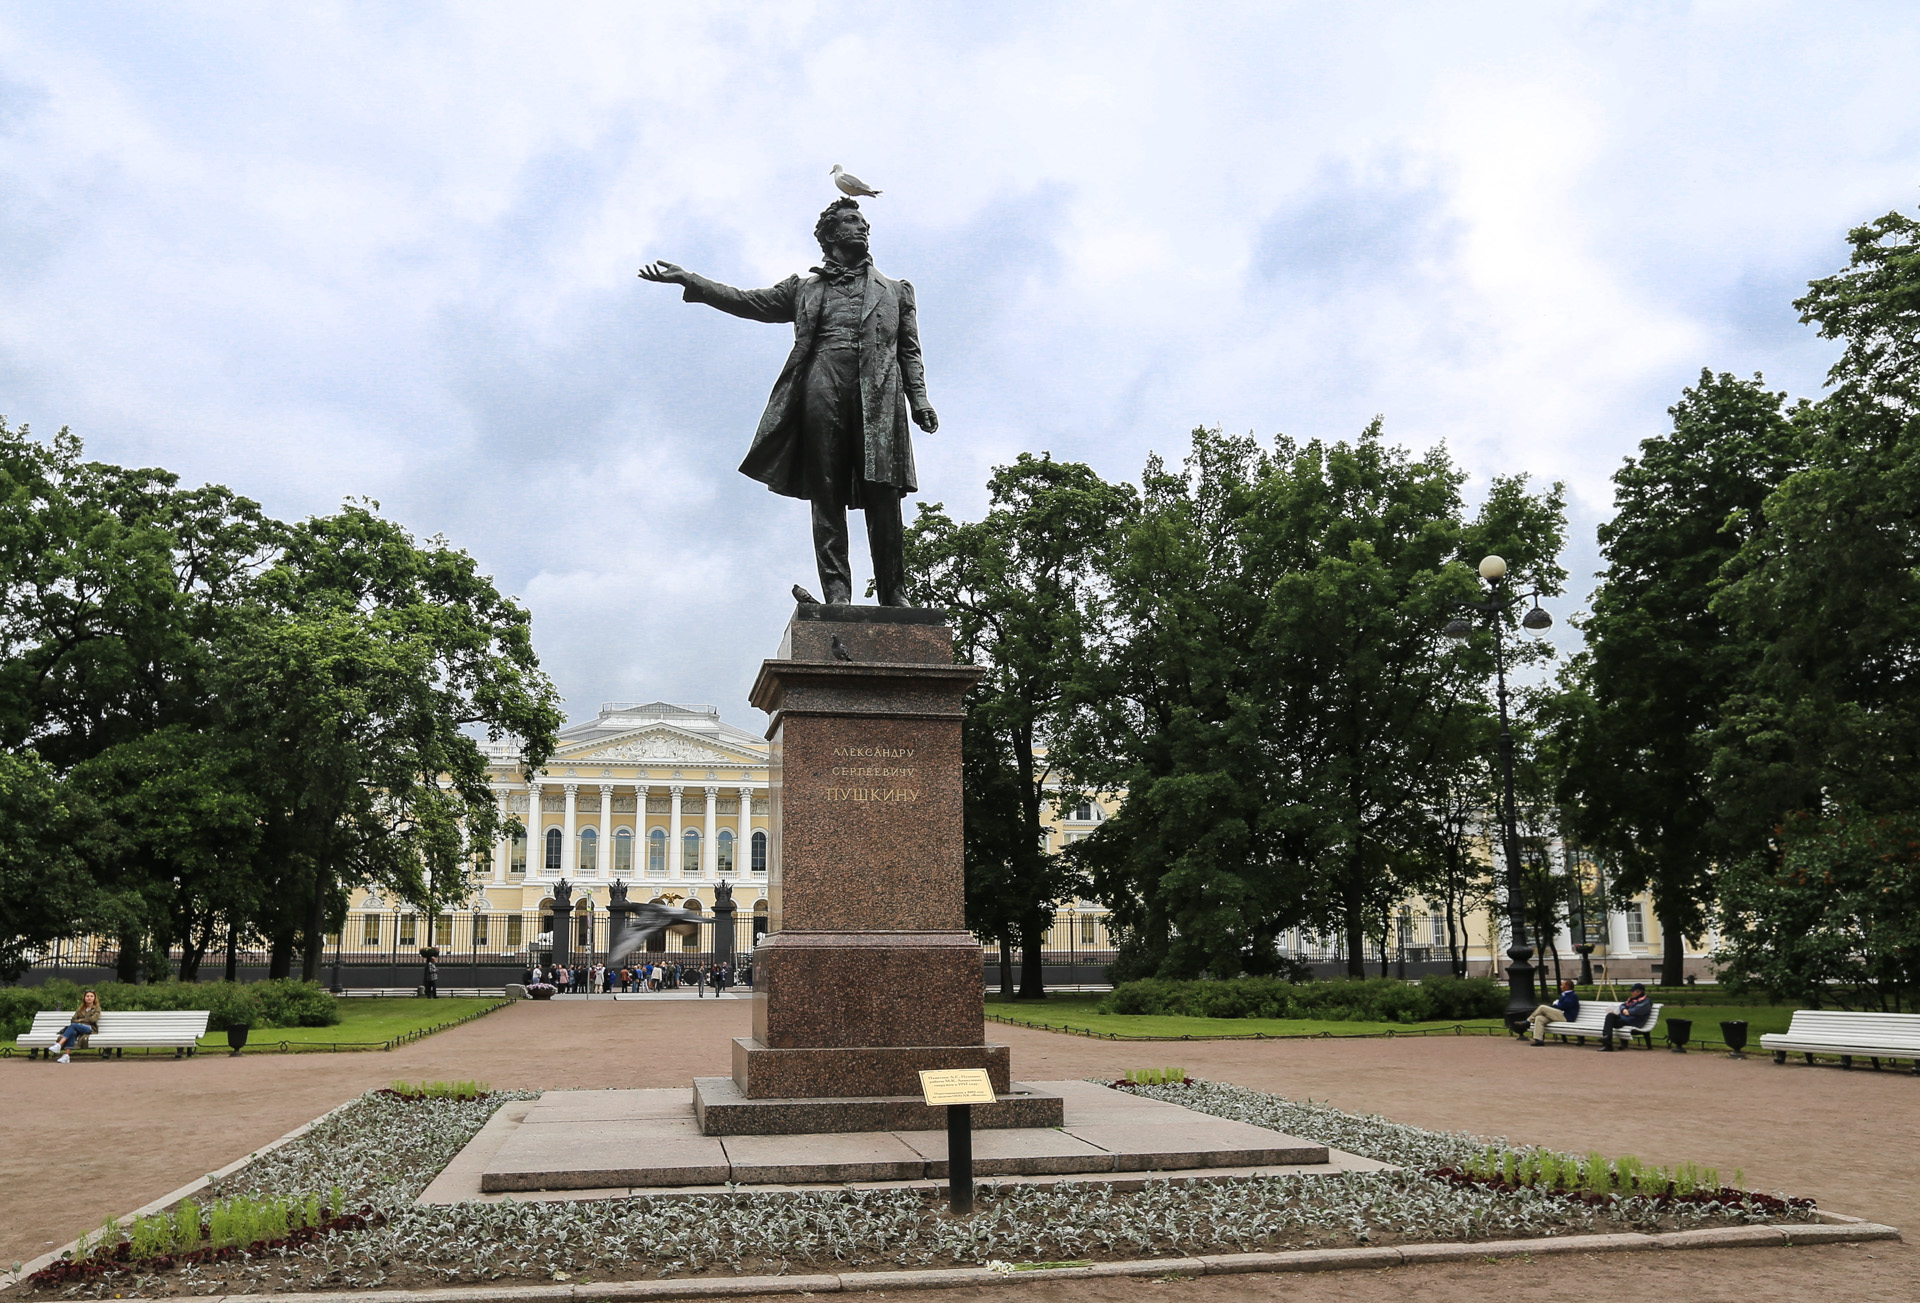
pixel 722 1110
pixel 617 1141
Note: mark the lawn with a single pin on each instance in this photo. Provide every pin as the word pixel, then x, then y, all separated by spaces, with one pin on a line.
pixel 1077 1012
pixel 364 1023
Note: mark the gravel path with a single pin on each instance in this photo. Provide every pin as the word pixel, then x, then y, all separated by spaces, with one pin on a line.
pixel 92 1139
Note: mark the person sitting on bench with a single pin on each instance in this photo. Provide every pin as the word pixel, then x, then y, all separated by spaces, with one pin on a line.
pixel 86 1021
pixel 1631 1014
pixel 1564 1009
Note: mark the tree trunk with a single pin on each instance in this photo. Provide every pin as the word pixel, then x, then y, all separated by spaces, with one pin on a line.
pixel 1356 936
pixel 233 950
pixel 280 956
pixel 1033 978
pixel 316 935
pixel 1006 969
pixel 1673 954
pixel 127 968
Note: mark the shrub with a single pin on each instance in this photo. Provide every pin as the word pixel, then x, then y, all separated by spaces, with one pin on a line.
pixel 282 1002
pixel 1370 999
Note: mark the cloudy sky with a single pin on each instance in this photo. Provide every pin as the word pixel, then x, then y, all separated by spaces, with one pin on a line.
pixel 320 251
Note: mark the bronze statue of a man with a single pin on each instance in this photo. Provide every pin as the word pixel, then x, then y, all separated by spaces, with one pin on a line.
pixel 835 428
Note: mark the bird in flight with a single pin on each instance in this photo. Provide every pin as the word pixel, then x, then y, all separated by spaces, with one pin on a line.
pixel 850 184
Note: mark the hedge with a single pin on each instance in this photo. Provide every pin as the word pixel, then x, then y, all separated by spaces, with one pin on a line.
pixel 282 1002
pixel 1368 999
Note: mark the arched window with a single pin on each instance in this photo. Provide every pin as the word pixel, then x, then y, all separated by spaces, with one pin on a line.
pixel 759 920
pixel 583 923
pixel 589 851
pixel 759 852
pixel 690 853
pixel 517 856
pixel 623 853
pixel 723 849
pixel 553 850
pixel 690 939
pixel 657 853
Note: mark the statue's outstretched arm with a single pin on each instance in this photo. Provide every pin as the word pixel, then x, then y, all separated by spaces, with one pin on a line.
pixel 775 304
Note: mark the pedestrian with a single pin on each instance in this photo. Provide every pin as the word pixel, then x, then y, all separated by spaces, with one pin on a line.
pixel 1632 1015
pixel 431 979
pixel 84 1023
pixel 1564 1009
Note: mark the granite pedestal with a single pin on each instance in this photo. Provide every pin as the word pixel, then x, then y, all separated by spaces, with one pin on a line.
pixel 868 975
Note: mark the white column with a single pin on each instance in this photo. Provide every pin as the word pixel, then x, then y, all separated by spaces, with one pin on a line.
pixel 569 858
pixel 536 841
pixel 673 833
pixel 1617 934
pixel 605 867
pixel 502 848
pixel 743 835
pixel 640 829
pixel 709 853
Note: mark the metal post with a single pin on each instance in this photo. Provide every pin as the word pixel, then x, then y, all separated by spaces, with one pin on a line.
pixel 1520 1000
pixel 960 1157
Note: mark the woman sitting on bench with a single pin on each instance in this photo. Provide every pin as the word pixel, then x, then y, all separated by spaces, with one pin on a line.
pixel 1631 1015
pixel 86 1021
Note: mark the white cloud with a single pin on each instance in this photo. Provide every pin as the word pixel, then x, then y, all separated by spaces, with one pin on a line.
pixel 331 251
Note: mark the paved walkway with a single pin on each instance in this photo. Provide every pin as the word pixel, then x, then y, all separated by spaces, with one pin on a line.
pixel 78 1143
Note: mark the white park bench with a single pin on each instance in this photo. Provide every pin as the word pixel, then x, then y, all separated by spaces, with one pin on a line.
pixel 179 1030
pixel 1593 1014
pixel 1874 1036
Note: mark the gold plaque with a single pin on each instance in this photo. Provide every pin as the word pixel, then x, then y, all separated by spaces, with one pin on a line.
pixel 957 1086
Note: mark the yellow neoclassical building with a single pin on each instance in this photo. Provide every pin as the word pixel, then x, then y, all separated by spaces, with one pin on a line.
pixel 670 799
pixel 673 801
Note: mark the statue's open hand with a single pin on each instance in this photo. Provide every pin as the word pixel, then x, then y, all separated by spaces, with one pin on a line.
pixel 665 272
pixel 925 418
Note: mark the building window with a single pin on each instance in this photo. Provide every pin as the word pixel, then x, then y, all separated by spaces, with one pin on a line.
pixel 657 853
pixel 370 930
pixel 1437 929
pixel 759 852
pixel 517 855
pixel 623 853
pixel 723 849
pixel 479 930
pixel 1406 927
pixel 443 930
pixel 1083 812
pixel 406 930
pixel 690 854
pixel 513 932
pixel 589 851
pixel 1086 929
pixel 1637 924
pixel 553 850
pixel 583 924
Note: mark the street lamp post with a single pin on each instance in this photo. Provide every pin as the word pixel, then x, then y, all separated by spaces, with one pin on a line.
pixel 1521 997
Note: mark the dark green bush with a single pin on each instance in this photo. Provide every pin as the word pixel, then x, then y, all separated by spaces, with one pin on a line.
pixel 283 1002
pixel 1371 999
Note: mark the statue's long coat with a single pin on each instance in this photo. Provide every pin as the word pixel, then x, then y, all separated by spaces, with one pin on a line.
pixel 890 375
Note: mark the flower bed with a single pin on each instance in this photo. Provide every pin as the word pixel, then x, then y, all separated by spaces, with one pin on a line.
pixel 383 1150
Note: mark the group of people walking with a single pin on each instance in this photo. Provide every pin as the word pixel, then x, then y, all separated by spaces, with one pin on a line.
pixel 628 979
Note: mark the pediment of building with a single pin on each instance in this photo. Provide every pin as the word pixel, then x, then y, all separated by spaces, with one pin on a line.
pixel 656 744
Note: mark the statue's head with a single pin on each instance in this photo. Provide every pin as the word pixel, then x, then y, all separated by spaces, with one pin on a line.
pixel 841 223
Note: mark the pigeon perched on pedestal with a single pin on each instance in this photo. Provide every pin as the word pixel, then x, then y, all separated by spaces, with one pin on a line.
pixel 802 595
pixel 851 185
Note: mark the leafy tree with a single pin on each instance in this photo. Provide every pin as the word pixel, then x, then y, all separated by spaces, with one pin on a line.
pixel 1274 694
pixel 1818 764
pixel 373 663
pixel 1835 917
pixel 44 887
pixel 1018 583
pixel 1638 710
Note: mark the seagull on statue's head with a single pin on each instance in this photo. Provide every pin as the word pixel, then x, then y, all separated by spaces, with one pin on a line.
pixel 850 184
